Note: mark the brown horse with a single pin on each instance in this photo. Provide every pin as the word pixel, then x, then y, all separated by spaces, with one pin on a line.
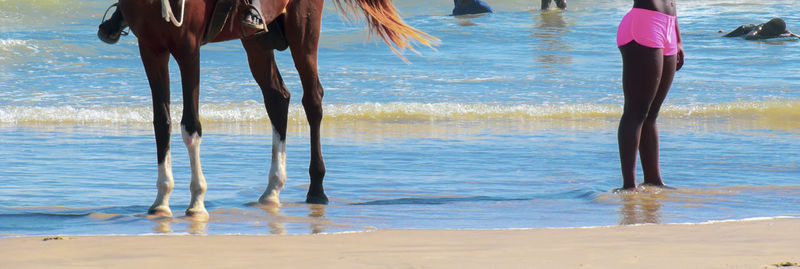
pixel 158 39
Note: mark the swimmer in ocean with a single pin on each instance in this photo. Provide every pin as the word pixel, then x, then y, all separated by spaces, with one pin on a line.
pixel 774 28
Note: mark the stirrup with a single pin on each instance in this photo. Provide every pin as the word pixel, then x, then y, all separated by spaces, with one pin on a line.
pixel 273 38
pixel 122 27
pixel 111 37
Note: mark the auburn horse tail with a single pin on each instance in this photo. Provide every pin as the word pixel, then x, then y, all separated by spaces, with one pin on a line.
pixel 383 20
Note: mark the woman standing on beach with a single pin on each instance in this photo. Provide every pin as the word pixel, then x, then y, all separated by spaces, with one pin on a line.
pixel 650 43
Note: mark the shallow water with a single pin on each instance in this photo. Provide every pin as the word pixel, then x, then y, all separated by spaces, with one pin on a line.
pixel 509 123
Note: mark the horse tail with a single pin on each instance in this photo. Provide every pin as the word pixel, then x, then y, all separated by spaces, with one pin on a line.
pixel 383 20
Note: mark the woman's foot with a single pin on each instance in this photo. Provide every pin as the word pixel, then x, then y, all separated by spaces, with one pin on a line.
pixel 252 18
pixel 659 185
pixel 624 190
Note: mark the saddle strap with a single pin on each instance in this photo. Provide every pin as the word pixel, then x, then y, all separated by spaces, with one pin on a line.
pixel 222 10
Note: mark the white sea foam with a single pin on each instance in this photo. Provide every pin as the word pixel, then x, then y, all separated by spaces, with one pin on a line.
pixel 255 112
pixel 9 44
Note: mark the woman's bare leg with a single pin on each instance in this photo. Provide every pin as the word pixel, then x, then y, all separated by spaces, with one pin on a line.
pixel 641 76
pixel 648 146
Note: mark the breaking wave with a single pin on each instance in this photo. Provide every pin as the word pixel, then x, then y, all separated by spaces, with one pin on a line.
pixel 255 112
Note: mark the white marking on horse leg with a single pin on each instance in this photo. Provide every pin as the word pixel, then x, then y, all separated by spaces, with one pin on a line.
pixel 164 184
pixel 197 186
pixel 277 171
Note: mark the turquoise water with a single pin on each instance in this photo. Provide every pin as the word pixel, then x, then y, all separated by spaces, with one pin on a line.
pixel 509 123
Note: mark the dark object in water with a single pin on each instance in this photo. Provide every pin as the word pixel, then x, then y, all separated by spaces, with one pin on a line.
pixel 774 28
pixel 786 264
pixel 562 4
pixel 466 7
pixel 57 237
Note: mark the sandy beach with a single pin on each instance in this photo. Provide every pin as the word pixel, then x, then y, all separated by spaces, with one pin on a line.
pixel 771 243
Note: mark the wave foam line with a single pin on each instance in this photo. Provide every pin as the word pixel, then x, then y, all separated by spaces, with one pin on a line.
pixel 255 112
pixel 788 108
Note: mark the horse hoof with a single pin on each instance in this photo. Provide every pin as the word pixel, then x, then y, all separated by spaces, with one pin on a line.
pixel 265 201
pixel 159 211
pixel 197 214
pixel 317 199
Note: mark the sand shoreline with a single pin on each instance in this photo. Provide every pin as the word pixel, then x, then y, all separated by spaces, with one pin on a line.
pixel 736 244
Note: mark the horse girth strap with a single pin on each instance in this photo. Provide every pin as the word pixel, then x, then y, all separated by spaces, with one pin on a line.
pixel 222 10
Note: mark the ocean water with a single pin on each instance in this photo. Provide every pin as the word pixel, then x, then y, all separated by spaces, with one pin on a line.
pixel 509 123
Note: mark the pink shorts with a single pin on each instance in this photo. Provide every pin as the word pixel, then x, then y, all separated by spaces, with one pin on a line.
pixel 649 28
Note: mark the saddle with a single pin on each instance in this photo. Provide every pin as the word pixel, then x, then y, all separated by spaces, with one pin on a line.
pixel 273 38
pixel 222 10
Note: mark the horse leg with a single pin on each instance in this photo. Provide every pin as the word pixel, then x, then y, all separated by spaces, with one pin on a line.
pixel 157 69
pixel 276 100
pixel 191 130
pixel 302 33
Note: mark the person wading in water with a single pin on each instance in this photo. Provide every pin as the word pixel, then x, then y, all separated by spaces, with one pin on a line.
pixel 650 43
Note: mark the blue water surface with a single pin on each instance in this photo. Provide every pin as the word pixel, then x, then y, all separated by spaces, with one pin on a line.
pixel 77 153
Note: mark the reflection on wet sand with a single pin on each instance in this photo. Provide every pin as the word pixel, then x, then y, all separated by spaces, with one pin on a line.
pixel 640 207
pixel 198 227
pixel 645 204
pixel 317 221
pixel 274 217
pixel 277 220
pixel 164 225
pixel 648 205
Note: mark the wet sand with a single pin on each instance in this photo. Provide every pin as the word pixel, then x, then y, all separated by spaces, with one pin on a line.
pixel 742 244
